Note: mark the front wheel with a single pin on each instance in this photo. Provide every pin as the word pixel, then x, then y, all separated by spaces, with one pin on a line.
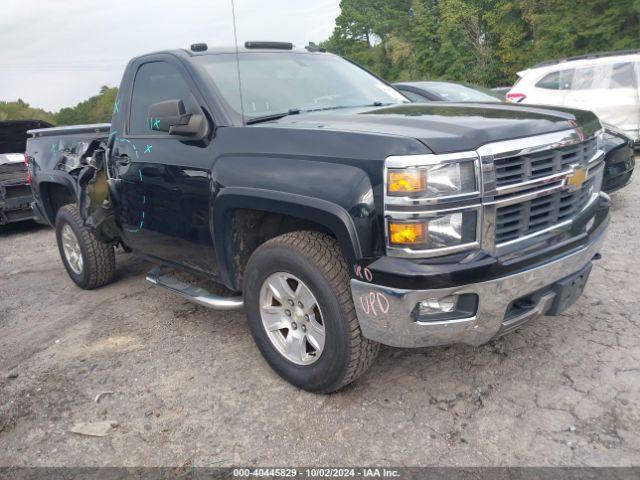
pixel 301 313
pixel 89 262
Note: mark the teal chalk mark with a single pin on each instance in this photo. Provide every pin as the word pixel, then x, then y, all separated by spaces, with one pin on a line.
pixel 148 148
pixel 156 124
pixel 54 147
pixel 144 197
pixel 116 106
pixel 142 217
pixel 133 145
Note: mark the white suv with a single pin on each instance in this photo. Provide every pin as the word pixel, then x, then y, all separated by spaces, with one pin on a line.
pixel 607 84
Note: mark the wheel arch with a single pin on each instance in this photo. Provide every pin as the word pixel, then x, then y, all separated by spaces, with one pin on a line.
pixel 278 213
pixel 54 193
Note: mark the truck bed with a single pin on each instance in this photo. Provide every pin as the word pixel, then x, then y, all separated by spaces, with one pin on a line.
pixel 64 148
pixel 57 156
pixel 70 130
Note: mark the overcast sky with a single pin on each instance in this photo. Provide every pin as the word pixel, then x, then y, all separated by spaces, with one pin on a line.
pixel 56 53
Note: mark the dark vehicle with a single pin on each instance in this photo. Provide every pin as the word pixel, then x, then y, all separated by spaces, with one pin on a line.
pixel 432 91
pixel 15 192
pixel 340 215
pixel 501 92
pixel 619 159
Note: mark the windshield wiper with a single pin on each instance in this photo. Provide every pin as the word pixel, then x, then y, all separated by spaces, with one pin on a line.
pixel 274 116
pixel 338 107
pixel 297 111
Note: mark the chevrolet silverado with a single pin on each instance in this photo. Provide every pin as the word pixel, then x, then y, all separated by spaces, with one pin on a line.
pixel 336 213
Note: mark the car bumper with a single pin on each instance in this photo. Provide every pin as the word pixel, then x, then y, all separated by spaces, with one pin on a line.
pixel 618 174
pixel 388 315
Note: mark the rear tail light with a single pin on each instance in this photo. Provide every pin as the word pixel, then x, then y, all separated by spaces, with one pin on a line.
pixel 26 164
pixel 515 97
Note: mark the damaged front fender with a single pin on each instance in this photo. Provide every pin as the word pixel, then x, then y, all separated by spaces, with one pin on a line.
pixel 93 199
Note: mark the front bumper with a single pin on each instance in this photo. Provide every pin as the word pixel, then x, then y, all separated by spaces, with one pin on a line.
pixel 618 174
pixel 386 314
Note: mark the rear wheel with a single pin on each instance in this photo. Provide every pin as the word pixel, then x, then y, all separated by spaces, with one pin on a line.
pixel 89 262
pixel 301 313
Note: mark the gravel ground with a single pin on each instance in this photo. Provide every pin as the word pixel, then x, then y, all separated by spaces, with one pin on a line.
pixel 189 387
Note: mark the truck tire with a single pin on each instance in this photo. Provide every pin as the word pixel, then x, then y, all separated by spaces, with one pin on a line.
pixel 301 314
pixel 89 262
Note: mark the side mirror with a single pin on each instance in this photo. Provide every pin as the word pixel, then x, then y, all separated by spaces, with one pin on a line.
pixel 171 116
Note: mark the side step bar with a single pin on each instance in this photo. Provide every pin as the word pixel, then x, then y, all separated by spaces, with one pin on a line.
pixel 160 276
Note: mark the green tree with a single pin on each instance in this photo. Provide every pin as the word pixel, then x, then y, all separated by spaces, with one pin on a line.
pixel 20 110
pixel 480 41
pixel 574 27
pixel 97 109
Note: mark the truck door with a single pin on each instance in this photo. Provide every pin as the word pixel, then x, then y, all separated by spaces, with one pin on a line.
pixel 163 181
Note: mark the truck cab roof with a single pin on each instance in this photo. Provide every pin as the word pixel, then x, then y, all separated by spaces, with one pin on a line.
pixel 227 50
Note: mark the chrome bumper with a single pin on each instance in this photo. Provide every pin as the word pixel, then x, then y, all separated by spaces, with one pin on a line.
pixel 390 320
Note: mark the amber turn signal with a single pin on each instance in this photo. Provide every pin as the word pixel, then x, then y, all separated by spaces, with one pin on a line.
pixel 408 233
pixel 406 181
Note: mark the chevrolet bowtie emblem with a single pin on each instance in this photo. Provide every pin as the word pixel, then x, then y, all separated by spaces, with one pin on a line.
pixel 577 178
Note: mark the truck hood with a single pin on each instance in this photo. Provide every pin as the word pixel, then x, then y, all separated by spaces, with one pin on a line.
pixel 448 127
pixel 13 137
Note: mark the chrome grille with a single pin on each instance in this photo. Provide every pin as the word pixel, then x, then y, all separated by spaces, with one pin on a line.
pixel 521 219
pixel 528 192
pixel 520 168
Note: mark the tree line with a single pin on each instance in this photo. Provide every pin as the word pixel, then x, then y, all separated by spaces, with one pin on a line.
pixel 478 41
pixel 96 109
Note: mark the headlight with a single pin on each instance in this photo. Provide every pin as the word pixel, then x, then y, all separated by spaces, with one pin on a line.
pixel 407 181
pixel 441 180
pixel 432 204
pixel 439 232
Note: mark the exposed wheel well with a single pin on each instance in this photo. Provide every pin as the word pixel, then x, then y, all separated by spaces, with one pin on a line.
pixel 252 228
pixel 55 196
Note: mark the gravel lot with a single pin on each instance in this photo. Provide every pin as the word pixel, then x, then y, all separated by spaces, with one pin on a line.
pixel 190 388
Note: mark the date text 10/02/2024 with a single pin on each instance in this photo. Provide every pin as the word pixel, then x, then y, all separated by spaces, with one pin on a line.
pixel 316 472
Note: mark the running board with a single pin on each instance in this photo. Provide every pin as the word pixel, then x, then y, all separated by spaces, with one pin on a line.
pixel 160 276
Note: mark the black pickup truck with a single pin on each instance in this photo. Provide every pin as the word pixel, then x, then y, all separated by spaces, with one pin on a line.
pixel 338 214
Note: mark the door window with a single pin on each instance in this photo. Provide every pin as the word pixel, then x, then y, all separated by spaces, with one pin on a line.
pixel 558 80
pixel 590 78
pixel 623 76
pixel 156 82
pixel 604 77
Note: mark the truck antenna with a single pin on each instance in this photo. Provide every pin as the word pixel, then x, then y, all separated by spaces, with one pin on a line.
pixel 235 37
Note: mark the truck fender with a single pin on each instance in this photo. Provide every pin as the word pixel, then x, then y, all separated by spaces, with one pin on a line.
pixel 330 215
pixel 55 178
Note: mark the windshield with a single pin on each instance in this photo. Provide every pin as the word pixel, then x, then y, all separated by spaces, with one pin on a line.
pixel 454 92
pixel 278 82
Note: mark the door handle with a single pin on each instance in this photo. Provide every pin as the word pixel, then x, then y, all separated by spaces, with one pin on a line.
pixel 123 159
